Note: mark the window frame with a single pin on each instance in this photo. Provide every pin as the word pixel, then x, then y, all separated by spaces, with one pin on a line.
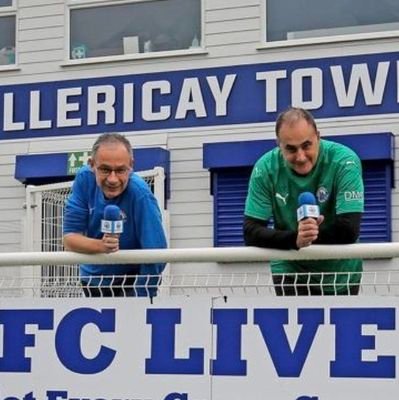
pixel 81 4
pixel 350 37
pixel 12 7
pixel 7 11
pixel 231 163
pixel 229 204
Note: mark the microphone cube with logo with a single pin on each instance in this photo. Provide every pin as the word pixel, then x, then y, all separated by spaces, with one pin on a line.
pixel 112 222
pixel 307 206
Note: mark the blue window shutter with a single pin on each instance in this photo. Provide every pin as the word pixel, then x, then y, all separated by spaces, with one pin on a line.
pixel 376 220
pixel 230 186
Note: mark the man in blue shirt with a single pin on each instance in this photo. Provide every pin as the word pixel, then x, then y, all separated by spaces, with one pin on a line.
pixel 109 180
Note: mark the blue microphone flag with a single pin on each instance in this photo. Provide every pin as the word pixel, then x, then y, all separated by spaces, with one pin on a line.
pixel 112 222
pixel 307 206
pixel 306 198
pixel 112 212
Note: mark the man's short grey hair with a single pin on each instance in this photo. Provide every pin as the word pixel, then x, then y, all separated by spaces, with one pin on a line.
pixel 294 114
pixel 111 138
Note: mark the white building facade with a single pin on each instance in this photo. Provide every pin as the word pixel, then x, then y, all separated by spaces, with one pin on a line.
pixel 196 86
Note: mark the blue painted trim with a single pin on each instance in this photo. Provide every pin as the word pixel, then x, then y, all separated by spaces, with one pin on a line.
pixel 28 167
pixel 373 146
pixel 33 168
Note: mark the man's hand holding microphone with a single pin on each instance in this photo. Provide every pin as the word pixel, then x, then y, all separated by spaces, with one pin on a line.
pixel 111 227
pixel 309 219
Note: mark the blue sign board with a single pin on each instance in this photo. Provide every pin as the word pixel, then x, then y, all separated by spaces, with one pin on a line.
pixel 253 93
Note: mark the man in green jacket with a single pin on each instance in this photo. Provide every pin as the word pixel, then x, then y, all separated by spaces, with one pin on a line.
pixel 302 162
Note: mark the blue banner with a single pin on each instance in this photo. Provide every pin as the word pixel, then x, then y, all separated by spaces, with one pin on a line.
pixel 199 348
pixel 255 93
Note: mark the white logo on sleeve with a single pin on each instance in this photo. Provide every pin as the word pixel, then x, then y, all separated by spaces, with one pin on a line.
pixel 353 195
pixel 257 172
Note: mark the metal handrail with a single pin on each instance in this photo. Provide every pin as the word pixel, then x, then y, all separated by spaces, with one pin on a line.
pixel 207 254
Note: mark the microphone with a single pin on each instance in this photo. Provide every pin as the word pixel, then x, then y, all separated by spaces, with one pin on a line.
pixel 307 206
pixel 112 222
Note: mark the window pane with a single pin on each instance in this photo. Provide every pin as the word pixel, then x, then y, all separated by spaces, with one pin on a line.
pixel 5 3
pixel 161 25
pixel 7 40
pixel 295 19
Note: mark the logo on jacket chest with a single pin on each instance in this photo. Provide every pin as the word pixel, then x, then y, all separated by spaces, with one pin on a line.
pixel 282 198
pixel 322 194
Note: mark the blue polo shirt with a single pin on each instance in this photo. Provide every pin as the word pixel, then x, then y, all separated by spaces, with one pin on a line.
pixel 142 228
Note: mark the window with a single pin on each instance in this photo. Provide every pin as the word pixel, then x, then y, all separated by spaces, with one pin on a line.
pixel 230 187
pixel 300 19
pixel 7 32
pixel 134 27
pixel 231 166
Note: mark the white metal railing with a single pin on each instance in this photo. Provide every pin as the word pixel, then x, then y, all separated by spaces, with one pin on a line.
pixel 381 282
pixel 207 254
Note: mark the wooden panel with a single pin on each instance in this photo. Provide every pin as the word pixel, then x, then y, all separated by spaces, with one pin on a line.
pixel 9 181
pixel 194 220
pixel 7 218
pixel 41 10
pixel 186 166
pixel 232 14
pixel 190 183
pixel 13 192
pixel 197 232
pixel 234 37
pixel 28 3
pixel 40 56
pixel 7 169
pixel 12 148
pixel 41 45
pixel 38 34
pixel 14 203
pixel 7 238
pixel 48 22
pixel 241 25
pixel 189 209
pixel 226 4
pixel 192 196
pixel 190 243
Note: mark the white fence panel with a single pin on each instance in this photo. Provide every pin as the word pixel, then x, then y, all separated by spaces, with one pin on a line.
pixel 43 225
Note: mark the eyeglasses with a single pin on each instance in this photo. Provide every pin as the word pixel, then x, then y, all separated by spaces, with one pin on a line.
pixel 120 172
